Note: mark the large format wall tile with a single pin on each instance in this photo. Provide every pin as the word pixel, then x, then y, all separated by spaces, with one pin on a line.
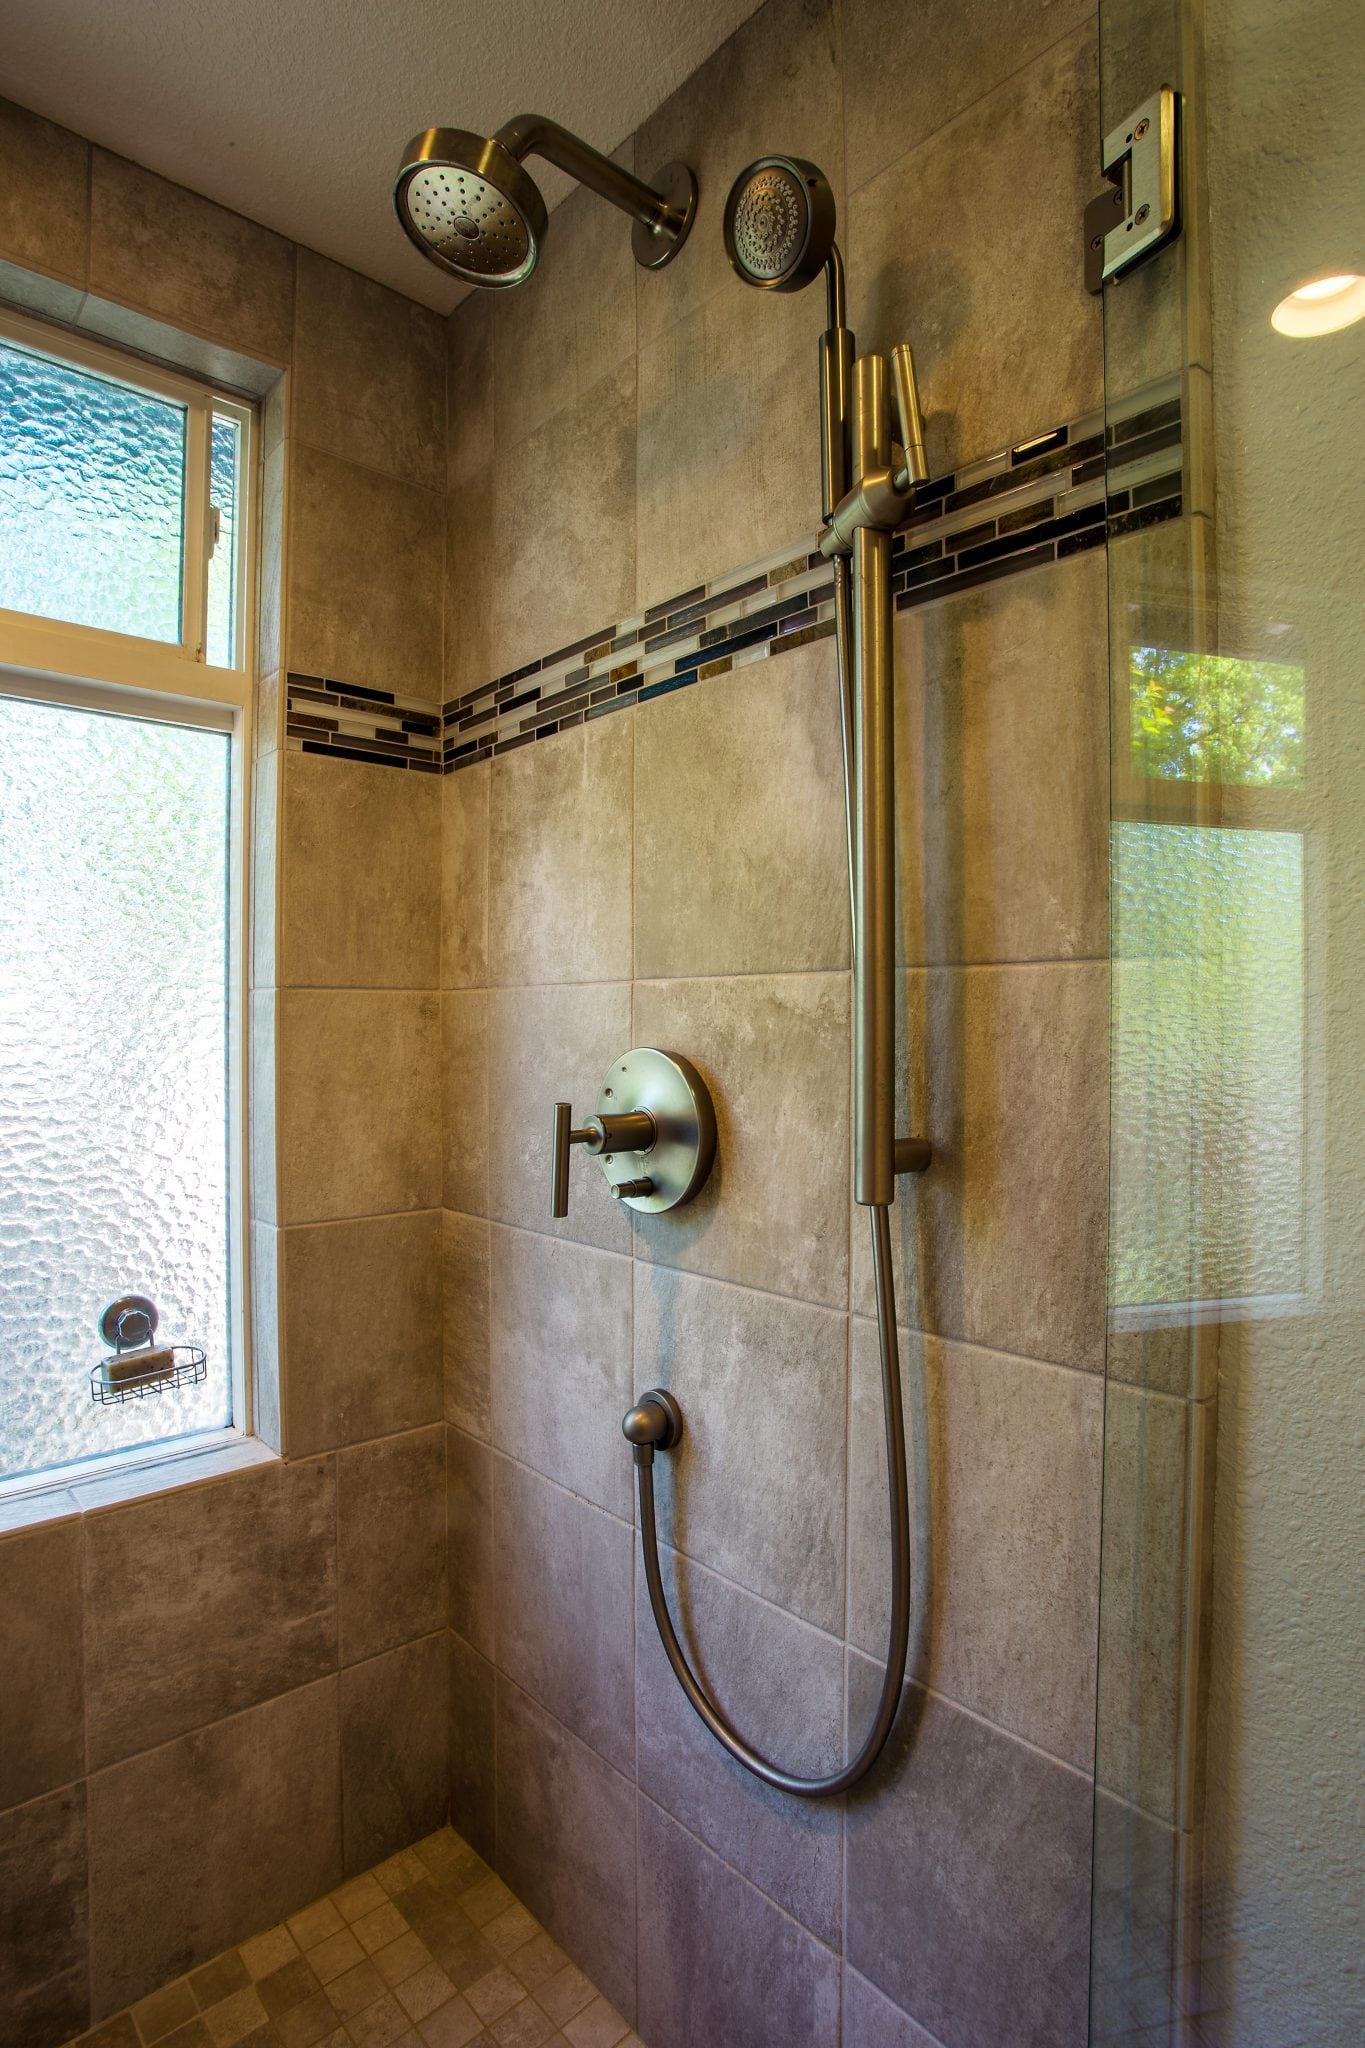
pixel 774 1052
pixel 469 1539
pixel 559 862
pixel 1002 770
pixel 968 1881
pixel 362 1328
pixel 366 555
pixel 548 1045
pixel 727 880
pixel 395 1736
pixel 473 1798
pixel 44 194
pixel 359 1117
pixel 1014 1462
pixel 1002 1242
pixel 574 323
pixel 774 85
pixel 391 1542
pixel 369 373
pixel 1142 1595
pixel 563 521
pixel 908 85
pixel 1031 356
pixel 267 1384
pixel 464 1282
pixel 755 1488
pixel 464 877
pixel 470 343
pixel 781 1684
pixel 44 1985
pixel 1135 1936
pixel 155 245
pixel 566 1841
pixel 42 1727
pixel 718 1961
pixel 729 447
pixel 200 1843
pixel 265 866
pixel 206 1600
pixel 464 1099
pixel 561 1363
pixel 872 2021
pixel 361 900
pixel 562 1576
pixel 469 650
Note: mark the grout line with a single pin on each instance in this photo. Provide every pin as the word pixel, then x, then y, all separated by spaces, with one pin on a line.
pixel 947 1699
pixel 845 1645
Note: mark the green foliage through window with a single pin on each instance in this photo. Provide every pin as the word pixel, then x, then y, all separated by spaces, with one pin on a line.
pixel 1213 718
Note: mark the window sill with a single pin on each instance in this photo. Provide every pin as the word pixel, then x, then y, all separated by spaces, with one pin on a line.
pixel 24 1503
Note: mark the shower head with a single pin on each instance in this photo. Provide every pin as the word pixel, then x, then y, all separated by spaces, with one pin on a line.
pixel 470 206
pixel 779 224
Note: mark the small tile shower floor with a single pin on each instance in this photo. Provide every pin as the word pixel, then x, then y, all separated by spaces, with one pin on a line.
pixel 427 1950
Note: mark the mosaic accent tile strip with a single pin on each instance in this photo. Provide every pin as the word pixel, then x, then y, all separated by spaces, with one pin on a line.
pixel 1037 502
pixel 426 1950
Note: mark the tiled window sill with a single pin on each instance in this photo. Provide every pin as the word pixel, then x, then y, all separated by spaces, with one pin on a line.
pixel 165 1471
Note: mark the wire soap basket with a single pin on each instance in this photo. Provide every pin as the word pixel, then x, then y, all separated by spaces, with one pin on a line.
pixel 137 1365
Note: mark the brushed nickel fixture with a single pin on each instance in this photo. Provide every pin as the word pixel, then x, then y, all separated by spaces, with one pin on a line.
pixel 654 1133
pixel 779 236
pixel 470 206
pixel 1139 210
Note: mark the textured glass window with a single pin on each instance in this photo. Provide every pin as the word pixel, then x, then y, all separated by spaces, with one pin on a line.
pixel 113 1068
pixel 225 457
pixel 1208 1199
pixel 92 498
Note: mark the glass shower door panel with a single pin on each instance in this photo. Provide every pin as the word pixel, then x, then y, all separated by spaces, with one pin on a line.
pixel 1228 1866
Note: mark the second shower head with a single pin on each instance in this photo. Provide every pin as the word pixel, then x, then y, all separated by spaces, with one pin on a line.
pixel 780 223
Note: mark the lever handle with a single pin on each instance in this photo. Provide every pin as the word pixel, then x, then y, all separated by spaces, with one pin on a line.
pixel 633 1131
pixel 562 1136
pixel 909 414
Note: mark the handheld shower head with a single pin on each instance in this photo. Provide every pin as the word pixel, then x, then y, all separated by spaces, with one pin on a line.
pixel 470 206
pixel 779 224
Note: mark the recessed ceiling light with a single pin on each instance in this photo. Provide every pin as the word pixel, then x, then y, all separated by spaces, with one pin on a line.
pixel 1321 306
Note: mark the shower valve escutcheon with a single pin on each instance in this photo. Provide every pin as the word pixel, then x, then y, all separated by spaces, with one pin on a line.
pixel 654 1132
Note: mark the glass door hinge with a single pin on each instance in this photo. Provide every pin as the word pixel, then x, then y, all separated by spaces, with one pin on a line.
pixel 1140 208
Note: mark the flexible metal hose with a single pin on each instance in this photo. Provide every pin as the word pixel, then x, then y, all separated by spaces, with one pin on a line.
pixel 897 1480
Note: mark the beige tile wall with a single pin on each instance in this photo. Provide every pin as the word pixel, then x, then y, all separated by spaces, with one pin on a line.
pixel 224 1697
pixel 677 876
pixel 435 964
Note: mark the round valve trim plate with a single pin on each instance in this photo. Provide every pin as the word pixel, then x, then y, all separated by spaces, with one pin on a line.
pixel 675 1095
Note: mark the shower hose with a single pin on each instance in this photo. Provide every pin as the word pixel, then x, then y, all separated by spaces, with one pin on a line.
pixel 893 1675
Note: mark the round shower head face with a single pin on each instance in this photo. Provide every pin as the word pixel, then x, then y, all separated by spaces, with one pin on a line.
pixel 470 208
pixel 779 223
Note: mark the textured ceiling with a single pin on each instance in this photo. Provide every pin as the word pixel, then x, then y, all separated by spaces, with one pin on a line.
pixel 295 111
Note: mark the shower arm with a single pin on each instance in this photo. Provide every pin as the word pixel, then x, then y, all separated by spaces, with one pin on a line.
pixel 536 135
